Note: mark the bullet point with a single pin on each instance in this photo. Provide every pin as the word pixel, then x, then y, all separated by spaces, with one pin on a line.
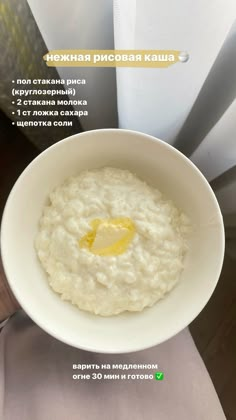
pixel 13 81
pixel 13 113
pixel 13 102
pixel 13 123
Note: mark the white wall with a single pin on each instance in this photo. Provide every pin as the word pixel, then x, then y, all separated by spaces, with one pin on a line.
pixel 82 24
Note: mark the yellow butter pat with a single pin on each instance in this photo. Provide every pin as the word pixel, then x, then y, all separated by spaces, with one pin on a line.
pixel 109 237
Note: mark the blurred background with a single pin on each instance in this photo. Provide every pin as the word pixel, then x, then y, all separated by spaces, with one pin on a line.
pixel 190 105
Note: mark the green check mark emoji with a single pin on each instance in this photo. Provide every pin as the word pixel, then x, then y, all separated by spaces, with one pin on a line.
pixel 159 376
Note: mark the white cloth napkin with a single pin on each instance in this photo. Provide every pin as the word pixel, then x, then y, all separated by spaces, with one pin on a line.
pixel 157 101
pixel 36 381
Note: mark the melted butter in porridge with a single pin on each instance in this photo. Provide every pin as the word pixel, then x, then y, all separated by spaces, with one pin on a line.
pixel 109 236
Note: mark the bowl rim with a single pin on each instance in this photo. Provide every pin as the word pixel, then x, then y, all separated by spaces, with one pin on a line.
pixel 49 329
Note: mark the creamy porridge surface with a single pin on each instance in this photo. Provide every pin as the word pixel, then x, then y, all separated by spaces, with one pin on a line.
pixel 110 243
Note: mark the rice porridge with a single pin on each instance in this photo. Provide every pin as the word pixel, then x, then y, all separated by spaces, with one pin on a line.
pixel 110 243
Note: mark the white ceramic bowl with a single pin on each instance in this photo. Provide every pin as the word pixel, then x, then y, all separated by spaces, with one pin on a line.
pixel 160 165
